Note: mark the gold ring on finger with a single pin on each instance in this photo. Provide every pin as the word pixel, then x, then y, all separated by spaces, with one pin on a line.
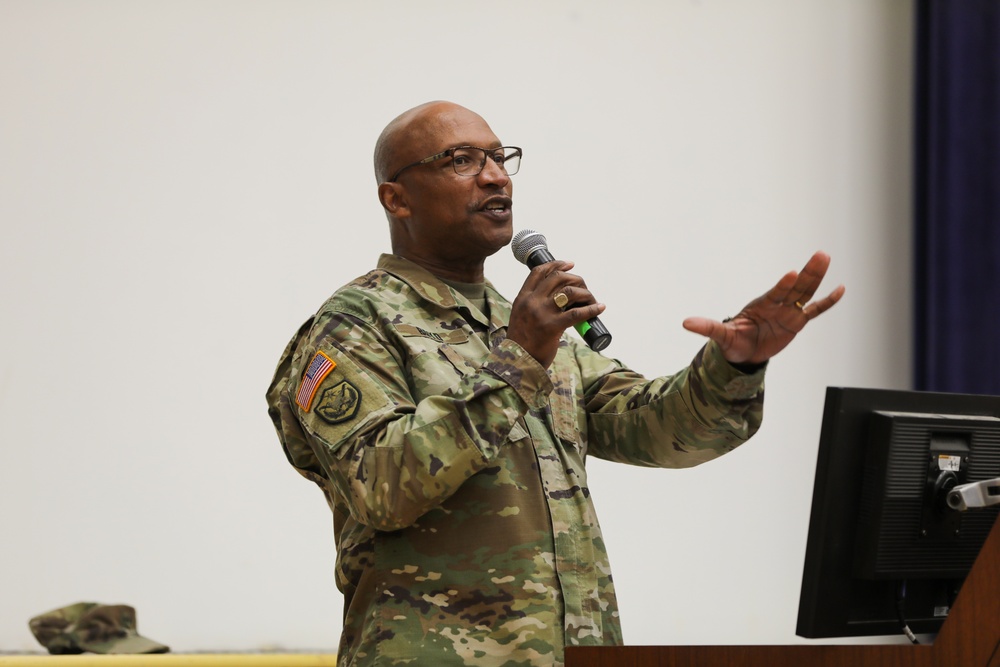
pixel 560 299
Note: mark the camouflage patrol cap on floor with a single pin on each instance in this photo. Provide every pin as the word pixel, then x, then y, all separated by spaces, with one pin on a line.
pixel 94 627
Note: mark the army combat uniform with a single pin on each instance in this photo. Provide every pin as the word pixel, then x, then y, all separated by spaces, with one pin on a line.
pixel 454 466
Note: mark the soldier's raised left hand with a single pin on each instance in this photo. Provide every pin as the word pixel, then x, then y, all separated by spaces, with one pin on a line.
pixel 769 323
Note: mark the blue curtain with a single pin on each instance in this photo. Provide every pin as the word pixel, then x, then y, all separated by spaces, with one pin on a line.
pixel 957 196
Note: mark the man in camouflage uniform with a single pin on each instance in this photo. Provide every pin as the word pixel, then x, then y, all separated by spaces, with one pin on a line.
pixel 448 428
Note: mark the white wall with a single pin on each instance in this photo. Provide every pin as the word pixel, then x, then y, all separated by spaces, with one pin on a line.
pixel 182 183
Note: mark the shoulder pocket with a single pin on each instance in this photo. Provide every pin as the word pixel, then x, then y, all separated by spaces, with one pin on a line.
pixel 342 402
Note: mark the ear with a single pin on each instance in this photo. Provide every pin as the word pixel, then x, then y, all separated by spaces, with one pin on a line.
pixel 393 199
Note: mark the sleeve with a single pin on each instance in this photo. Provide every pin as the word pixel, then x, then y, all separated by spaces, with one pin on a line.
pixel 678 421
pixel 391 457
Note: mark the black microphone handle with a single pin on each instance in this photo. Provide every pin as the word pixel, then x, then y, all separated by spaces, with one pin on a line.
pixel 593 331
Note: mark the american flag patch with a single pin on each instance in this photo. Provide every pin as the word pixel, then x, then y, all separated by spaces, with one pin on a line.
pixel 319 368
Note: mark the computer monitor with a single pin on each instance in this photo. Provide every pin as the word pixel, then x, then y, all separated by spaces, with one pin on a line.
pixel 884 549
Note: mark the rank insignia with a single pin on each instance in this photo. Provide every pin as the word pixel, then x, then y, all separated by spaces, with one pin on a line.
pixel 428 334
pixel 319 368
pixel 339 403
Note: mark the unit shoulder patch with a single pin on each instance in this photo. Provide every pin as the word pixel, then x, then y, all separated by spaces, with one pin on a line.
pixel 339 403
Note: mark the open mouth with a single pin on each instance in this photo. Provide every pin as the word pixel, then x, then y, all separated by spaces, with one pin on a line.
pixel 497 205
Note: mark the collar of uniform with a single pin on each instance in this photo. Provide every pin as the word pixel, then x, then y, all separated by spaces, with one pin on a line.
pixel 436 291
pixel 499 308
pixel 420 279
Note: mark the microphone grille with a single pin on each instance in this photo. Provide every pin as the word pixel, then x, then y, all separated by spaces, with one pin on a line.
pixel 526 242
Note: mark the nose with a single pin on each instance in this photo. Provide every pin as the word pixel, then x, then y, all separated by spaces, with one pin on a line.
pixel 493 174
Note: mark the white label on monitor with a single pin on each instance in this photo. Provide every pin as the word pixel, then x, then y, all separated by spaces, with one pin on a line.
pixel 941 611
pixel 946 462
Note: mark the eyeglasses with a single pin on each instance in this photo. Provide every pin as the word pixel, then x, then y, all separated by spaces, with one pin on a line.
pixel 470 160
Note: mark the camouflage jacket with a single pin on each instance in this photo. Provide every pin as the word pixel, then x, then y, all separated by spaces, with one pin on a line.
pixel 454 466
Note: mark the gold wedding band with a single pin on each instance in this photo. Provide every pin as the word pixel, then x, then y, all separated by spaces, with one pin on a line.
pixel 560 299
pixel 799 305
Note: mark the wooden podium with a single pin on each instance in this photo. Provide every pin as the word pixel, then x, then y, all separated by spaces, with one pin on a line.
pixel 969 638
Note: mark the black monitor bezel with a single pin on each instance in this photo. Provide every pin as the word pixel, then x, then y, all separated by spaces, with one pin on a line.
pixel 830 594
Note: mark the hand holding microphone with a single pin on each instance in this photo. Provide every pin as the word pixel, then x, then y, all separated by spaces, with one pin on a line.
pixel 573 302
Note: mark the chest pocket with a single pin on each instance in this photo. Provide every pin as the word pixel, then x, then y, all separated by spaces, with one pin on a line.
pixel 434 361
pixel 565 399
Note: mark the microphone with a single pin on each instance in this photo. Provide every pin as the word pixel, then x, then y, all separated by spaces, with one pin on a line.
pixel 531 248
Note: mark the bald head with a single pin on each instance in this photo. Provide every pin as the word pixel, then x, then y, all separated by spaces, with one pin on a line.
pixel 413 134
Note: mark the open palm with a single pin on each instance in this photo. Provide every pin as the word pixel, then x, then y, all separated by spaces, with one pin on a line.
pixel 766 325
